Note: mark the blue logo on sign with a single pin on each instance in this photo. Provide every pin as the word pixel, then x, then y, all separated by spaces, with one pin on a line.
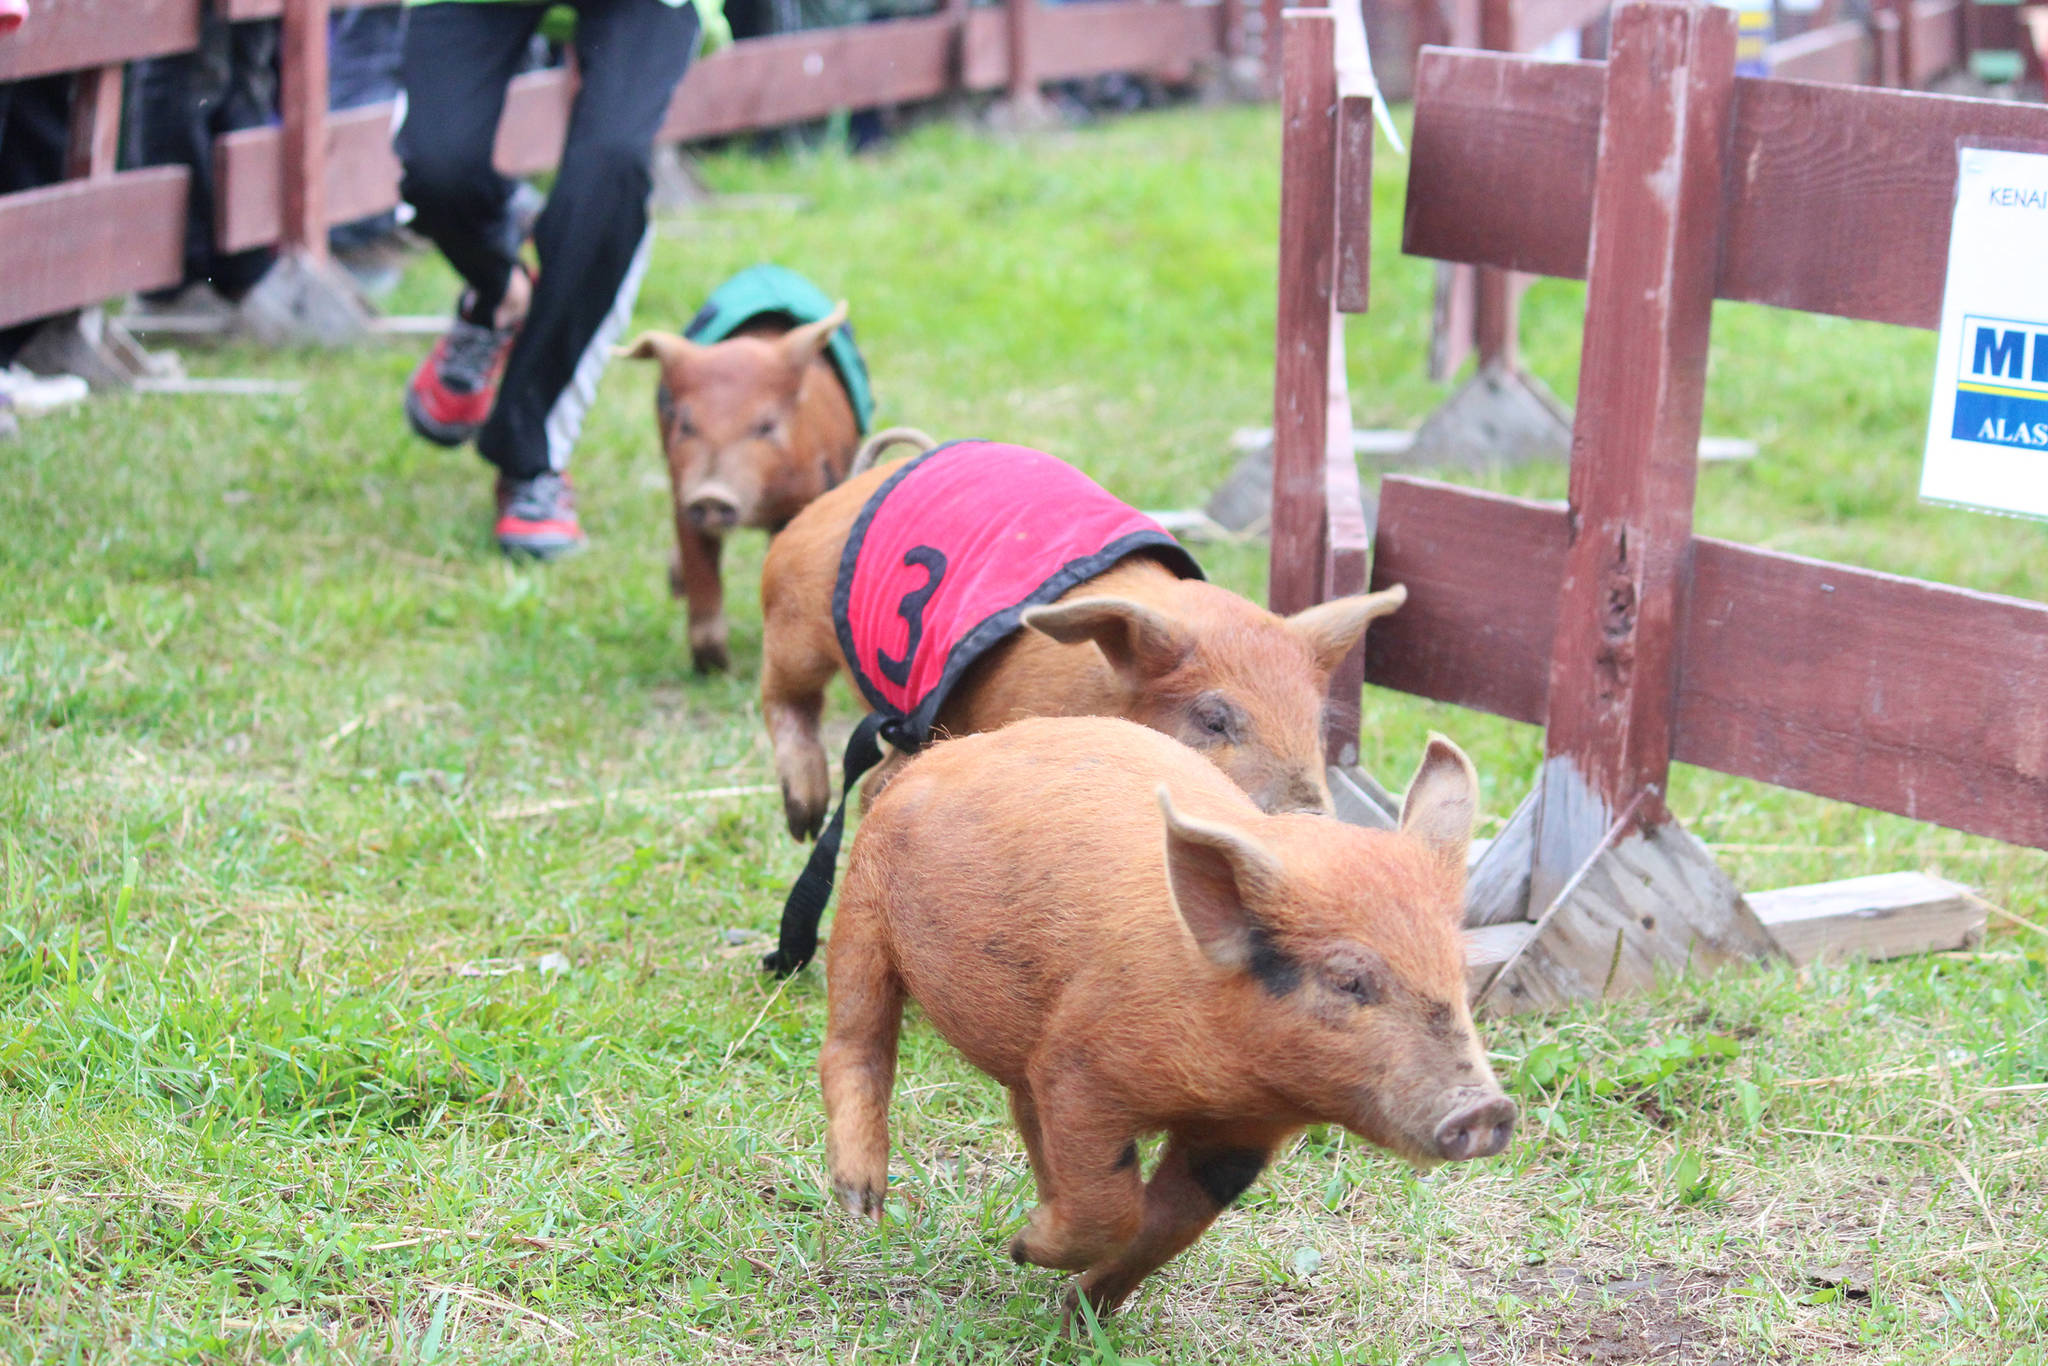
pixel 2002 392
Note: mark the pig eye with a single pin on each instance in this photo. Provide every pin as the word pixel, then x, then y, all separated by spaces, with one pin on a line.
pixel 1216 719
pixel 1356 983
pixel 685 427
pixel 765 428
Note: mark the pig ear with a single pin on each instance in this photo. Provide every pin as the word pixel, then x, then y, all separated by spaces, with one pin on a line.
pixel 1442 801
pixel 802 344
pixel 1332 628
pixel 1138 642
pixel 1214 873
pixel 665 347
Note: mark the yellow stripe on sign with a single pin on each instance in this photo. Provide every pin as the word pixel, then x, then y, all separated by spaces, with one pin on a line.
pixel 2041 394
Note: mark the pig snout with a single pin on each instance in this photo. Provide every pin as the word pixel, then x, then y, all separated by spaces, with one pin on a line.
pixel 1479 1129
pixel 712 510
pixel 1293 792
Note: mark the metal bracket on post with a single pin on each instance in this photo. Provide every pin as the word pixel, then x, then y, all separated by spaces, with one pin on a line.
pixel 1618 889
pixel 1023 106
pixel 85 342
pixel 97 349
pixel 1502 415
pixel 305 297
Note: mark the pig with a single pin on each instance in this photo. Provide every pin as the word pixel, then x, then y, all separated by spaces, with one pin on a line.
pixel 754 428
pixel 1198 662
pixel 1101 921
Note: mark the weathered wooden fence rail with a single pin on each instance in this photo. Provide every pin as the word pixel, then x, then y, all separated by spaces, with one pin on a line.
pixel 1666 182
pixel 104 233
pixel 99 231
pixel 1902 44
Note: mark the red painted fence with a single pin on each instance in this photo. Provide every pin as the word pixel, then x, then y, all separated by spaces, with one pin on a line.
pixel 103 233
pixel 1667 182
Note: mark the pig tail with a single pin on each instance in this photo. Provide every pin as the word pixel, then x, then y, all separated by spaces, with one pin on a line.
pixel 864 458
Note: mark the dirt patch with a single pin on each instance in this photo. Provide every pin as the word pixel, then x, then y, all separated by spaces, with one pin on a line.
pixel 1652 1316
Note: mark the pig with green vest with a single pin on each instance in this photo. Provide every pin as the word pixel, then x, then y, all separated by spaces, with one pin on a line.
pixel 761 404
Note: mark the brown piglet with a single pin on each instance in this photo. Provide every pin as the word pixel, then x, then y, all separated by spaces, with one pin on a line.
pixel 754 428
pixel 1102 922
pixel 1185 657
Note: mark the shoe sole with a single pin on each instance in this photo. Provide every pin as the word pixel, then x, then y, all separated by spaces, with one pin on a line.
pixel 537 550
pixel 449 434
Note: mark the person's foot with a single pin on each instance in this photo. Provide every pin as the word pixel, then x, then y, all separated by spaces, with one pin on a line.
pixel 452 392
pixel 537 516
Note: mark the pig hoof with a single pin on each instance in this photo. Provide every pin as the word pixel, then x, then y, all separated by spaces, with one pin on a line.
pixel 805 820
pixel 710 658
pixel 1074 1323
pixel 859 1198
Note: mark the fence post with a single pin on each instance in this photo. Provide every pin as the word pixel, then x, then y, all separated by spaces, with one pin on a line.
pixel 1301 406
pixel 1497 293
pixel 1025 103
pixel 304 297
pixel 1657 223
pixel 1270 43
pixel 95 124
pixel 302 100
pixel 86 342
pixel 1502 413
pixel 956 75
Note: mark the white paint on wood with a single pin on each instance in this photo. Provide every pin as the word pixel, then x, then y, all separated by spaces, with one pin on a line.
pixel 1360 800
pixel 1387 442
pixel 1885 915
pixel 1647 902
pixel 1569 824
pixel 1487 948
pixel 1497 889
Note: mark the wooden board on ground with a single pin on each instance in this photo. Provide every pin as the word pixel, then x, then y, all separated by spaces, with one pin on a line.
pixel 1885 915
pixel 1651 900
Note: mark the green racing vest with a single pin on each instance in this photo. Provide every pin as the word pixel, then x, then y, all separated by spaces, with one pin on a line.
pixel 776 291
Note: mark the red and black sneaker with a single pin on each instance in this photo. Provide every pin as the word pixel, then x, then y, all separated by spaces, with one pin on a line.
pixel 537 516
pixel 452 392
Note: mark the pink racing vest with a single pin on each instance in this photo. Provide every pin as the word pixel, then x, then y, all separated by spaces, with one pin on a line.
pixel 941 564
pixel 949 553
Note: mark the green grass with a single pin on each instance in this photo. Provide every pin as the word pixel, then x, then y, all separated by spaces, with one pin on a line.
pixel 319 1040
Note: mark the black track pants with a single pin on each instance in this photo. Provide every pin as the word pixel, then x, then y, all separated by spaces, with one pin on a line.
pixel 593 237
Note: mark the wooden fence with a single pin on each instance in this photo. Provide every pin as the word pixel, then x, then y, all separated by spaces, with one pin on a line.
pixel 99 232
pixel 1604 619
pixel 103 233
pixel 1901 44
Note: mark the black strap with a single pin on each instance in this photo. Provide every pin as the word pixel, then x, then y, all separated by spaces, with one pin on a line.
pixel 808 898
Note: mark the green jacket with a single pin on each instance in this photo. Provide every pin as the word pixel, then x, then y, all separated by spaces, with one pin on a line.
pixel 560 23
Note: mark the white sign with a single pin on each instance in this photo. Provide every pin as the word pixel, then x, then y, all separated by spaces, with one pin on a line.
pixel 1987 430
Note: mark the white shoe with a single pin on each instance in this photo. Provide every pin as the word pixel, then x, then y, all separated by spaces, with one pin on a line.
pixel 33 395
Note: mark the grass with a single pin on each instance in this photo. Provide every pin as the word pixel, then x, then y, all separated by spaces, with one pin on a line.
pixel 373 988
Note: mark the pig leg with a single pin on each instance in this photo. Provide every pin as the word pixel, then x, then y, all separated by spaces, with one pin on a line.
pixel 696 574
pixel 893 761
pixel 1197 1179
pixel 858 1061
pixel 1089 1192
pixel 793 679
pixel 1024 1112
